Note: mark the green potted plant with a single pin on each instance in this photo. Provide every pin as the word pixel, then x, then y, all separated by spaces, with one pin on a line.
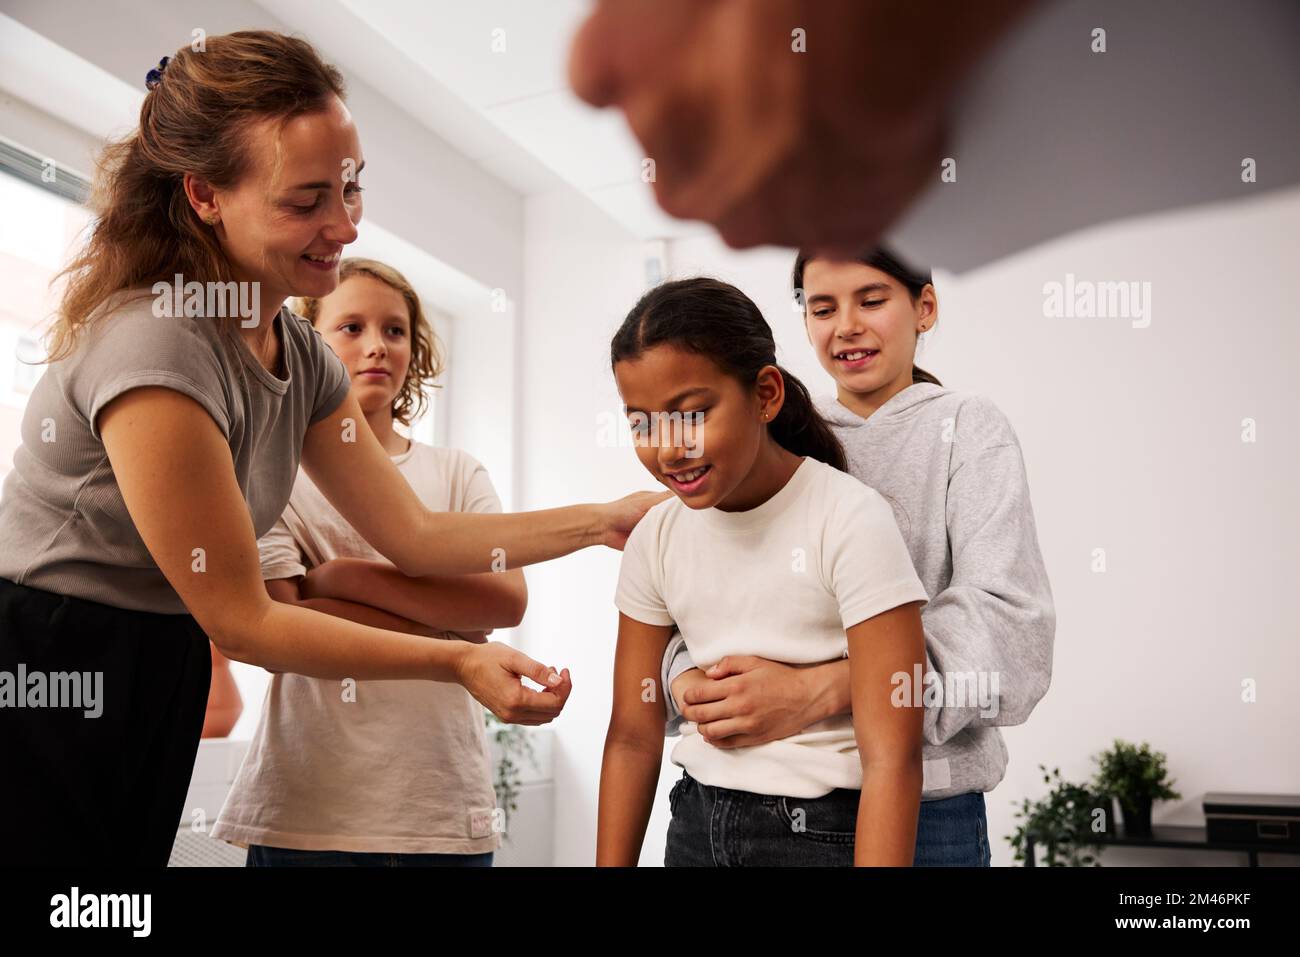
pixel 515 746
pixel 1135 776
pixel 1062 823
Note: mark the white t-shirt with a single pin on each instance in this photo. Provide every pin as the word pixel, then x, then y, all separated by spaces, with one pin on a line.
pixel 403 768
pixel 782 581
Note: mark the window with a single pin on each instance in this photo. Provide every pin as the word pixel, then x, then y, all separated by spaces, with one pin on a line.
pixel 44 219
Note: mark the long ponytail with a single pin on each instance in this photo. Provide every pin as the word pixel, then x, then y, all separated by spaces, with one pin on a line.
pixel 800 428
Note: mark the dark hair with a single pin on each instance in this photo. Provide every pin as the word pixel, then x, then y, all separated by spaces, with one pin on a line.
pixel 714 319
pixel 913 280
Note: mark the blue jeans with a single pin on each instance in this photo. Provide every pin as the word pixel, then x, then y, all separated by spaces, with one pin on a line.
pixel 719 827
pixel 259 855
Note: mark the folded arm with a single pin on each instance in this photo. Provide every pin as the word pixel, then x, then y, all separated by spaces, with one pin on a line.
pixel 476 602
pixel 289 591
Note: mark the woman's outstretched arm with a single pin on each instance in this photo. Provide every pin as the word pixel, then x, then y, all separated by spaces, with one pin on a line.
pixel 352 470
pixel 175 473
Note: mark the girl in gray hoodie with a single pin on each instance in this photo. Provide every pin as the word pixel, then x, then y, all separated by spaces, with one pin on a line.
pixel 950 466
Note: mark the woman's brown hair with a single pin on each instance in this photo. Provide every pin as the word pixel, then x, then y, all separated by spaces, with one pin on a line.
pixel 426 349
pixel 193 120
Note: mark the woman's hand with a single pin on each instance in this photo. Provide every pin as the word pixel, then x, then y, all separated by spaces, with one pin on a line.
pixel 619 517
pixel 491 672
pixel 745 700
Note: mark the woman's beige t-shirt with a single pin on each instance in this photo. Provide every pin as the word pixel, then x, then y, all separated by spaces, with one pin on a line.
pixel 63 525
pixel 376 766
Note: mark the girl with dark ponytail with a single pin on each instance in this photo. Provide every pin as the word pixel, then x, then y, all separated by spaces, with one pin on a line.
pixel 769 548
pixel 716 320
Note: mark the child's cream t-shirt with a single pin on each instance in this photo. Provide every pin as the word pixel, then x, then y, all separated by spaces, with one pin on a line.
pixel 391 766
pixel 783 581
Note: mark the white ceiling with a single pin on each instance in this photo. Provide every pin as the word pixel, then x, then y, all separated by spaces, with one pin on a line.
pixel 508 110
pixel 511 114
pixel 86 97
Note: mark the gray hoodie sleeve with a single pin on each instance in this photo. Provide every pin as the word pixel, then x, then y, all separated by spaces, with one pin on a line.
pixel 676 660
pixel 992 628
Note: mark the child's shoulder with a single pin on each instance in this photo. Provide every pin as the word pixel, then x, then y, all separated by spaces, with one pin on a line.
pixel 972 420
pixel 920 401
pixel 652 532
pixel 836 491
pixel 666 512
pixel 451 465
pixel 444 455
pixel 451 476
pixel 940 400
pixel 979 422
pixel 972 403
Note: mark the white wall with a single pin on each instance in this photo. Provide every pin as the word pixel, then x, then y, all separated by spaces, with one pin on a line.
pixel 582 273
